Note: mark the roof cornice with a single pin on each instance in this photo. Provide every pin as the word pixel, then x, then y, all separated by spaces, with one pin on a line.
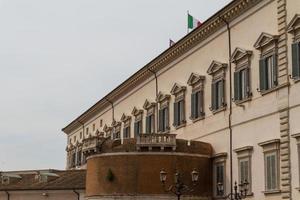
pixel 231 11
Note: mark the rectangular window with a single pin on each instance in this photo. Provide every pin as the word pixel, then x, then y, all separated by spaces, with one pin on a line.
pixel 218 95
pixel 219 183
pixel 73 160
pixel 241 84
pixel 94 127
pixel 271 171
pixel 79 158
pixel 244 171
pixel 163 119
pixel 150 124
pixel 296 60
pixel 179 115
pixel 126 132
pixel 268 72
pixel 116 135
pixel 197 104
pixel 137 128
pixel 87 131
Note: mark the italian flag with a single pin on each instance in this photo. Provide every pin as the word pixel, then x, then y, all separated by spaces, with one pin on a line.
pixel 193 22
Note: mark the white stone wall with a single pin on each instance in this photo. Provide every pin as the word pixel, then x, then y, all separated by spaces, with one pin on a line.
pixel 256 121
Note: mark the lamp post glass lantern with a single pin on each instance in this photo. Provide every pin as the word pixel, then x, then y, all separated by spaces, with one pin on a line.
pixel 178 188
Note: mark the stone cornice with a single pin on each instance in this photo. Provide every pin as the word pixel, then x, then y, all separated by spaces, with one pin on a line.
pixel 230 12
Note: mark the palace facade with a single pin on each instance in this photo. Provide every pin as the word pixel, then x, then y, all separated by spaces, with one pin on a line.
pixel 232 83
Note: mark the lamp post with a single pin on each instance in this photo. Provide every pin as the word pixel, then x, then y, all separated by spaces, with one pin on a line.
pixel 178 188
pixel 236 195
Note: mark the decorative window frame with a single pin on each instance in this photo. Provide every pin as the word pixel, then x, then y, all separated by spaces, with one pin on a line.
pixel 271 147
pixel 164 103
pixel 242 60
pixel 196 81
pixel 267 44
pixel 150 110
pixel 116 129
pixel 126 124
pixel 297 137
pixel 218 72
pixel 178 92
pixel 294 29
pixel 245 153
pixel 138 117
pixel 219 159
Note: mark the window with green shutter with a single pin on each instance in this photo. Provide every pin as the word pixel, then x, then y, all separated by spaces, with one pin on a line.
pixel 268 72
pixel 296 60
pixel 219 179
pixel 179 115
pixel 197 104
pixel 218 98
pixel 163 119
pixel 241 84
pixel 271 171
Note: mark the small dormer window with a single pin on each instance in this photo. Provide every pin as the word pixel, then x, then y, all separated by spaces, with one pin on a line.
pixel 242 89
pixel 163 113
pixel 268 67
pixel 179 105
pixel 126 128
pixel 294 29
pixel 150 116
pixel 217 71
pixel 197 97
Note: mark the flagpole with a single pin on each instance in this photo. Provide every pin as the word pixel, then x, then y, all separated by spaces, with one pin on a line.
pixel 188 21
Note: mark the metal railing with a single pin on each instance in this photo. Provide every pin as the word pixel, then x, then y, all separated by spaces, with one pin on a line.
pixel 156 140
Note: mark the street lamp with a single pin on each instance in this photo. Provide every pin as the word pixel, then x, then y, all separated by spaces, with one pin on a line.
pixel 179 187
pixel 236 195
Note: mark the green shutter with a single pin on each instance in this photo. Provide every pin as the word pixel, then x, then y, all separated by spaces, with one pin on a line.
pixel 296 60
pixel 135 129
pixel 275 69
pixel 176 114
pixel 181 111
pixel 148 124
pixel 237 86
pixel 262 74
pixel 160 118
pixel 213 96
pixel 166 117
pixel 222 92
pixel 247 77
pixel 193 106
pixel 201 103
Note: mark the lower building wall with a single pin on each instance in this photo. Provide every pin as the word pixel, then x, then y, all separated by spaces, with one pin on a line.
pixel 145 197
pixel 42 195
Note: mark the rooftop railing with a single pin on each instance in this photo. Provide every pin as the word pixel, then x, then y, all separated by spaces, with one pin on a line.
pixel 156 140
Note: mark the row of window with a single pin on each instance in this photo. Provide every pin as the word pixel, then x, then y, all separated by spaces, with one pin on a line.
pixel 271 169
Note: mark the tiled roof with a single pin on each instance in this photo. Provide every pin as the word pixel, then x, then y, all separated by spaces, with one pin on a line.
pixel 66 180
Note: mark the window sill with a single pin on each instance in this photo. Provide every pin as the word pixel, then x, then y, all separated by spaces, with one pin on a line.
pixel 198 118
pixel 239 102
pixel 271 192
pixel 264 92
pixel 183 124
pixel 219 110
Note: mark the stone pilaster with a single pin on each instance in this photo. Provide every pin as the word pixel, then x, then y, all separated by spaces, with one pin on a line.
pixel 283 102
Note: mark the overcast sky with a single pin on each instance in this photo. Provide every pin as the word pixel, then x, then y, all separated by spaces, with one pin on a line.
pixel 58 57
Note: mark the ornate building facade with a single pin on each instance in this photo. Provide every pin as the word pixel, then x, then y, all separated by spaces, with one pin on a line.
pixel 232 83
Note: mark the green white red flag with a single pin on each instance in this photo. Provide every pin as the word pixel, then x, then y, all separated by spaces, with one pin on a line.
pixel 193 22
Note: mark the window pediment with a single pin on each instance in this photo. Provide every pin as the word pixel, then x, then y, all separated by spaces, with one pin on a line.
pixel 136 111
pixel 294 24
pixel 265 39
pixel 216 66
pixel 176 89
pixel 115 124
pixel 125 118
pixel 194 79
pixel 163 97
pixel 240 54
pixel 147 105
